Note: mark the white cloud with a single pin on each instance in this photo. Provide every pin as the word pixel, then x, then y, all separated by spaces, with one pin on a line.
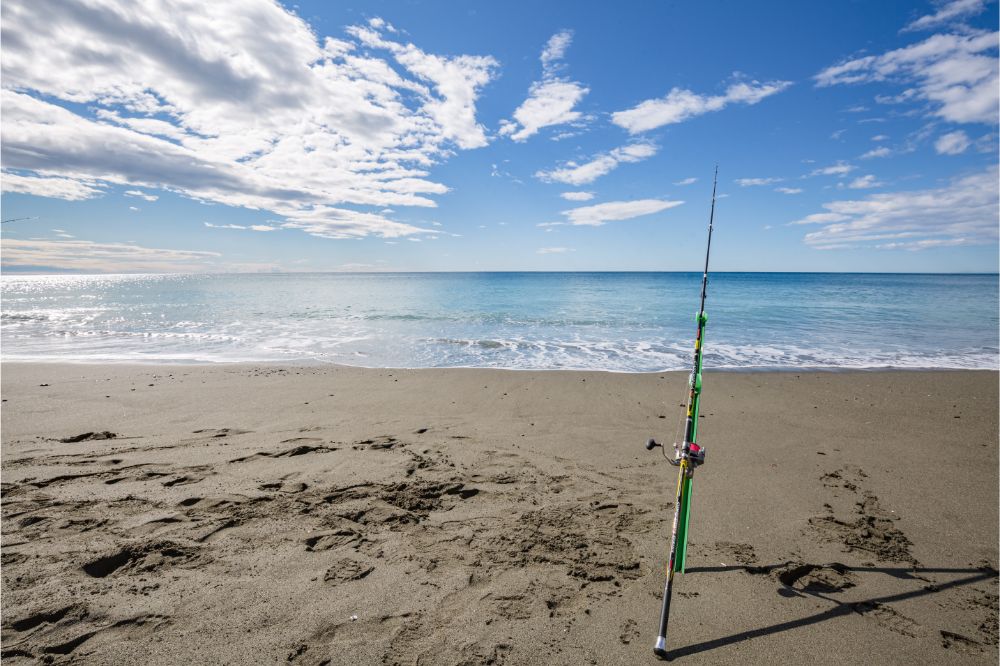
pixel 572 173
pixel 233 104
pixel 550 101
pixel 567 134
pixel 457 81
pixel 987 143
pixel 950 11
pixel 88 256
pixel 838 169
pixel 964 212
pixel 555 49
pixel 686 181
pixel 54 188
pixel 133 209
pixel 251 227
pixel 881 151
pixel 839 133
pixel 554 250
pixel 952 143
pixel 789 190
pixel 880 137
pixel 380 23
pixel 337 223
pixel 680 105
pixel 957 74
pixel 577 196
pixel 611 211
pixel 864 182
pixel 753 182
pixel 141 195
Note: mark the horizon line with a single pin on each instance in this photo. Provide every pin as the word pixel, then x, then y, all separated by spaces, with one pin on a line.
pixel 29 273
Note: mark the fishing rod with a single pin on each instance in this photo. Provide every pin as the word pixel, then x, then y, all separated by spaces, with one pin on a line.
pixel 18 219
pixel 688 455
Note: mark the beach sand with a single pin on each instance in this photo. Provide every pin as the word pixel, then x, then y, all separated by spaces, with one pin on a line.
pixel 245 514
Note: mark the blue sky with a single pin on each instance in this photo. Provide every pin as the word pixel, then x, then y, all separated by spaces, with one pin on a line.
pixel 850 136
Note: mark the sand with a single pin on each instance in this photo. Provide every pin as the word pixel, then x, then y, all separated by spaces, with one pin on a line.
pixel 243 514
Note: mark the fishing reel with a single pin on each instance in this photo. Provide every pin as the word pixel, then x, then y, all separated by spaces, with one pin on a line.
pixel 694 454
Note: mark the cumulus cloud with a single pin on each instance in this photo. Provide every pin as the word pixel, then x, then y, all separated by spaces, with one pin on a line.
pixel 952 143
pixel 680 105
pixel 572 173
pixel 550 101
pixel 949 11
pixel 555 50
pixel 755 182
pixel 864 182
pixel 881 151
pixel 243 108
pixel 597 215
pixel 577 196
pixel 554 250
pixel 789 190
pixel 88 256
pixel 963 212
pixel 956 74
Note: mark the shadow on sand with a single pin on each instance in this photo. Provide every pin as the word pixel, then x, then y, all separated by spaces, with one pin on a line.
pixel 840 608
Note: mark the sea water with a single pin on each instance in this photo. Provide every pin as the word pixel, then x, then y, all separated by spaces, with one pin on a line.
pixel 628 322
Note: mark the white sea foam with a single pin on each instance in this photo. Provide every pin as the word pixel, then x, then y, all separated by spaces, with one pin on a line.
pixel 625 323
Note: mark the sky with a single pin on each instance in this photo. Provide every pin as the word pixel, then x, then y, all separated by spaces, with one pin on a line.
pixel 257 136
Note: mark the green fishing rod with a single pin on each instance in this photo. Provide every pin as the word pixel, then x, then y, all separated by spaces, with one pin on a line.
pixel 687 455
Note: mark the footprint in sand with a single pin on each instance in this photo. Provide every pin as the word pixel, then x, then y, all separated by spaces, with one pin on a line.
pixel 743 553
pixel 629 632
pixel 961 644
pixel 870 529
pixel 300 450
pixel 140 558
pixel 345 570
pixel 889 618
pixel 89 436
pixel 330 540
pixel 833 577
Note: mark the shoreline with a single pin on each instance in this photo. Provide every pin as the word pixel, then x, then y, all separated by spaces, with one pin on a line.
pixel 323 364
pixel 247 513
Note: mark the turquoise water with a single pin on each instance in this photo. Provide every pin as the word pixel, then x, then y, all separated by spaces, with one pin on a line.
pixel 632 322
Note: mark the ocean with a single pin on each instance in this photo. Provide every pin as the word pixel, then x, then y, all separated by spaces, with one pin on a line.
pixel 624 322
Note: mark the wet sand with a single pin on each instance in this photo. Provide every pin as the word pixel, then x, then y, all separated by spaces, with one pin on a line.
pixel 244 514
